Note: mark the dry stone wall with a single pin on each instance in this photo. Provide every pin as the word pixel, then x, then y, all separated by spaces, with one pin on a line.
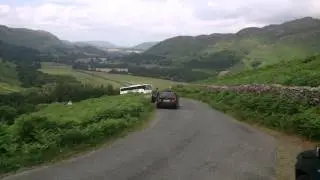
pixel 310 94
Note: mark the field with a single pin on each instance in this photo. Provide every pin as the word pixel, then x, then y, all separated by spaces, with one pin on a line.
pixel 58 129
pixel 61 69
pixel 98 78
pixel 129 79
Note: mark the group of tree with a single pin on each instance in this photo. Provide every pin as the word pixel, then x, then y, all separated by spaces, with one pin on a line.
pixel 146 59
pixel 175 74
pixel 218 61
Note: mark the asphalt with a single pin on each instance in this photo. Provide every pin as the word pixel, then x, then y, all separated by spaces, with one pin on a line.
pixel 194 142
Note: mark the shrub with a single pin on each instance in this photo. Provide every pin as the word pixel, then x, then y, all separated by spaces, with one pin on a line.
pixel 15 104
pixel 57 128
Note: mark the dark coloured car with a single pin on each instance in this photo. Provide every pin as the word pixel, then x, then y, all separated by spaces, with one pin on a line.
pixel 308 165
pixel 168 99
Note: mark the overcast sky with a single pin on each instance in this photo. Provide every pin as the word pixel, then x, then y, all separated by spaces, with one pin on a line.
pixel 128 22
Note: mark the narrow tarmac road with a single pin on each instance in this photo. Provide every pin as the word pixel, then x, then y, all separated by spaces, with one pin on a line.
pixel 192 143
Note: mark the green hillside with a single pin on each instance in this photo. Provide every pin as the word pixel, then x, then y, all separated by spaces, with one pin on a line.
pixel 26 37
pixel 8 77
pixel 182 48
pixel 302 72
pixel 8 72
pixel 252 47
pixel 44 42
pixel 14 57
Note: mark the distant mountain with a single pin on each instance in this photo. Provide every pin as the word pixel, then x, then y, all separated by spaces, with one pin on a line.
pixel 144 46
pixel 252 47
pixel 17 54
pixel 36 39
pixel 99 44
pixel 43 42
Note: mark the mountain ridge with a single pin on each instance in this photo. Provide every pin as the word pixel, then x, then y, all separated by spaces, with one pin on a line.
pixel 254 46
pixel 43 41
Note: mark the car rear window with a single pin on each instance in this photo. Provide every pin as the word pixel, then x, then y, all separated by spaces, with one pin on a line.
pixel 167 94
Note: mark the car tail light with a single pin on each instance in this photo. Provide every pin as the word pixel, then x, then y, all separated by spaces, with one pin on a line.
pixel 174 100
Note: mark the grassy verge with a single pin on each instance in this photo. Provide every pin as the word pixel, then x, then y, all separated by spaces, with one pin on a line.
pixel 57 130
pixel 286 119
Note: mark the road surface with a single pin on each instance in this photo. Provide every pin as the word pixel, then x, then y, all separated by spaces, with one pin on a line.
pixel 192 143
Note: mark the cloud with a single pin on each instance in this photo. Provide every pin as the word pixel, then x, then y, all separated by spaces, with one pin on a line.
pixel 258 11
pixel 133 21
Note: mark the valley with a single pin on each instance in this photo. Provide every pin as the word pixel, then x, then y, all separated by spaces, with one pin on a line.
pixel 97 78
pixel 40 74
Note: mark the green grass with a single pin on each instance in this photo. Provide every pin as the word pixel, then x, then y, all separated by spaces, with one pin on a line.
pixel 57 129
pixel 259 49
pixel 7 88
pixel 85 109
pixel 98 78
pixel 8 78
pixel 303 72
pixel 8 73
pixel 61 69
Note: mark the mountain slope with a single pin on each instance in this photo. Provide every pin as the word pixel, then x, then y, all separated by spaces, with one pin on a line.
pixel 42 41
pixel 30 38
pixel 301 72
pixel 182 47
pixel 8 77
pixel 254 46
pixel 144 46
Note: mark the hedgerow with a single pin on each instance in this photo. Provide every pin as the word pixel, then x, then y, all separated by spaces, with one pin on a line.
pixel 57 128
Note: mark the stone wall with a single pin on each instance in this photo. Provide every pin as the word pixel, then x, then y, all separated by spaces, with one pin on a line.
pixel 310 94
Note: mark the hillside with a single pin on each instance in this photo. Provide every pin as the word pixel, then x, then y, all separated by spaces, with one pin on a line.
pixel 43 41
pixel 144 46
pixel 8 77
pixel 252 47
pixel 302 72
pixel 31 38
pixel 185 47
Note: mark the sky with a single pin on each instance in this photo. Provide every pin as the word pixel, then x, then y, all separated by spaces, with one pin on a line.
pixel 129 22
